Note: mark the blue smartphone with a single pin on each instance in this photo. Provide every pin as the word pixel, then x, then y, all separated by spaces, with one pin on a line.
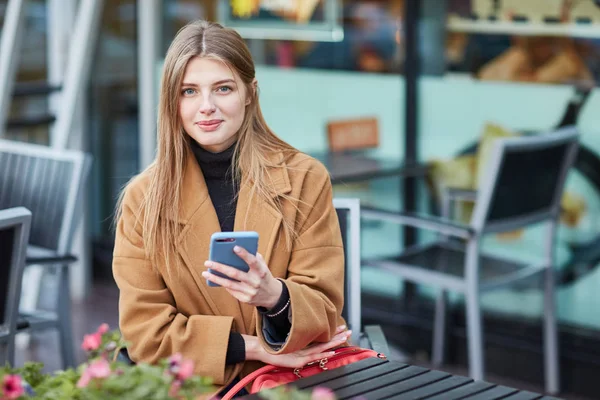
pixel 221 250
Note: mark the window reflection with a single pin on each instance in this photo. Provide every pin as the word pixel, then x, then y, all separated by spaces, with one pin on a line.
pixel 521 42
pixel 372 42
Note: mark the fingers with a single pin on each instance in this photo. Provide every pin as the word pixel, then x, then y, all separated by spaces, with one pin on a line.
pixel 314 357
pixel 337 340
pixel 257 272
pixel 242 296
pixel 241 287
pixel 256 263
pixel 318 351
pixel 231 272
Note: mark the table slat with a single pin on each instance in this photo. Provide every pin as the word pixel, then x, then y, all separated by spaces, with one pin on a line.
pixel 499 392
pixel 398 388
pixel 363 387
pixel 319 379
pixel 378 372
pixel 376 379
pixel 463 391
pixel 436 388
pixel 524 396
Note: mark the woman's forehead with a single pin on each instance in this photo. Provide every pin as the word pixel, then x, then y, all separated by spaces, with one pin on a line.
pixel 207 70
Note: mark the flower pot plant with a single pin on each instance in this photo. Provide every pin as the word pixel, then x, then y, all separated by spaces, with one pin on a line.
pixel 102 376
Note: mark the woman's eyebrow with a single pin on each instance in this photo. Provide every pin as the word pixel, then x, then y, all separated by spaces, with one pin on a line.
pixel 222 81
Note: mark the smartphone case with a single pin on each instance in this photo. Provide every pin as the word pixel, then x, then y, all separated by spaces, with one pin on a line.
pixel 221 250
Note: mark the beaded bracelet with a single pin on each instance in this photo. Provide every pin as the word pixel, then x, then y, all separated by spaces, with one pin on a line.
pixel 280 311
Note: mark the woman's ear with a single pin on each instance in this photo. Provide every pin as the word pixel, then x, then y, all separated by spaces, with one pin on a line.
pixel 254 86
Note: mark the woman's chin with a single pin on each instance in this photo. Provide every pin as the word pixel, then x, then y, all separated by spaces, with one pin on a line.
pixel 214 144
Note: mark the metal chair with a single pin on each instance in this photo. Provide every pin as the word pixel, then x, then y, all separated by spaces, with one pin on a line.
pixel 49 183
pixel 522 186
pixel 14 234
pixel 348 211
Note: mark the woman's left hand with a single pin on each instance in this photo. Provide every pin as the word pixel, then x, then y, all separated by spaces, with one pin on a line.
pixel 256 287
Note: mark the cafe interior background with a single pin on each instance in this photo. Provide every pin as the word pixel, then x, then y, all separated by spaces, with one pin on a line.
pixel 486 69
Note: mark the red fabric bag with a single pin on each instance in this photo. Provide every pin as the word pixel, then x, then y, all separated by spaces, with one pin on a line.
pixel 271 376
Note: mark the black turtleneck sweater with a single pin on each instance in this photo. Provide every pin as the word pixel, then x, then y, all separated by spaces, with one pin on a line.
pixel 216 169
pixel 223 191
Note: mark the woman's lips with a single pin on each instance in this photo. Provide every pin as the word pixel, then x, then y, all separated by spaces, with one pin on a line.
pixel 209 126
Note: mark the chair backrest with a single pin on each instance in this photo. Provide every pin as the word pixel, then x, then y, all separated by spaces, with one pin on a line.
pixel 49 183
pixel 524 180
pixel 348 211
pixel 14 234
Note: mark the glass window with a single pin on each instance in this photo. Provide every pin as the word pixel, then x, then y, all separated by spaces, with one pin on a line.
pixel 32 67
pixel 113 122
pixel 515 68
pixel 507 41
pixel 371 42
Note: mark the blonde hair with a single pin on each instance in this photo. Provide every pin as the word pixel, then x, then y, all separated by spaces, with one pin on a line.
pixel 160 223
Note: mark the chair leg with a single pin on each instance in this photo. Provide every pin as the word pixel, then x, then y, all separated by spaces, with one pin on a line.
pixel 439 329
pixel 30 295
pixel 10 351
pixel 474 335
pixel 65 326
pixel 551 357
pixel 4 354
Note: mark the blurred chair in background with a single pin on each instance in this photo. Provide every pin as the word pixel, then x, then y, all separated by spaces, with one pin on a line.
pixel 348 211
pixel 14 234
pixel 522 185
pixel 49 183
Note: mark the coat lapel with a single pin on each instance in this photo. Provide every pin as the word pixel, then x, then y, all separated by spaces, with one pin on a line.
pixel 253 213
pixel 200 218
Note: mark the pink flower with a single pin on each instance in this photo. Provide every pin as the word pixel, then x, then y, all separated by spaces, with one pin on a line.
pixel 91 342
pixel 322 393
pixel 180 368
pixel 102 329
pixel 175 360
pixel 99 368
pixel 186 369
pixel 84 380
pixel 12 387
pixel 175 386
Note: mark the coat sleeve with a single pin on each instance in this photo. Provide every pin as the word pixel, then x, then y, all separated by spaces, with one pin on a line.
pixel 315 278
pixel 148 317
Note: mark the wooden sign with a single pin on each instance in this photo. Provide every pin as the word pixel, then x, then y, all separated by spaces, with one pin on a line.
pixel 353 134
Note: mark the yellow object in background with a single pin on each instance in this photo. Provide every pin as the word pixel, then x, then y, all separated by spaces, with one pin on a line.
pixel 572 207
pixel 468 172
pixel 491 132
pixel 299 11
pixel 244 8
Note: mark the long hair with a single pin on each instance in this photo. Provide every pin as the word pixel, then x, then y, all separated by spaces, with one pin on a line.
pixel 255 140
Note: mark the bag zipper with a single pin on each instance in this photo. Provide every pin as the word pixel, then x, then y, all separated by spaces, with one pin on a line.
pixel 323 361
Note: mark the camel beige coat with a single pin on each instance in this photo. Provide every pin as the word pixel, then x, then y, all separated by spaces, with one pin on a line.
pixel 161 315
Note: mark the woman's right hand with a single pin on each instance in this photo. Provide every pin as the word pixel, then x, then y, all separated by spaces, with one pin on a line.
pixel 302 357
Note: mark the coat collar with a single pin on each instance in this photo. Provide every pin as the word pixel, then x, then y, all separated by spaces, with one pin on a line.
pixel 198 215
pixel 195 192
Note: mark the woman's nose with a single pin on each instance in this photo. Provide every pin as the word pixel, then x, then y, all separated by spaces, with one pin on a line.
pixel 208 105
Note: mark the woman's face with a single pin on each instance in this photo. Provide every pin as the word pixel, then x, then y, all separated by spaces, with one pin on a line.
pixel 212 103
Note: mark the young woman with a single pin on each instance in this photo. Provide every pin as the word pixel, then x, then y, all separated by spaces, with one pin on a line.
pixel 220 168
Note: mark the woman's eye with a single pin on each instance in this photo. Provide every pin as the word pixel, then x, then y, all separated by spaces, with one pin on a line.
pixel 188 92
pixel 223 89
